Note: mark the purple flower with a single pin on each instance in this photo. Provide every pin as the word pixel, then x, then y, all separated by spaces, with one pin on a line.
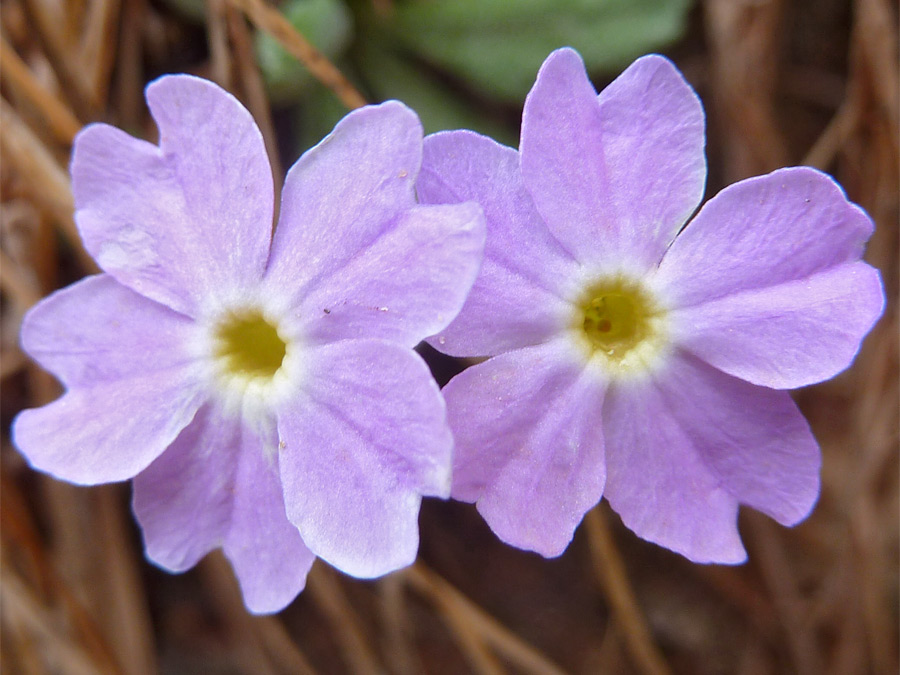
pixel 629 361
pixel 261 390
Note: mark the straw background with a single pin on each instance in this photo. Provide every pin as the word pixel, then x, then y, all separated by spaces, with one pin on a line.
pixel 784 82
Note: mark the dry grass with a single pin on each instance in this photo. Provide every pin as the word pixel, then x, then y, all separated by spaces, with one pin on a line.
pixel 784 83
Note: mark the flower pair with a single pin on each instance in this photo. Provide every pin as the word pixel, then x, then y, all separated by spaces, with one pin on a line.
pixel 262 392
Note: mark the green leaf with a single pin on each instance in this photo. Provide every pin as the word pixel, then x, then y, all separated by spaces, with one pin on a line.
pixel 328 24
pixel 392 76
pixel 315 117
pixel 498 45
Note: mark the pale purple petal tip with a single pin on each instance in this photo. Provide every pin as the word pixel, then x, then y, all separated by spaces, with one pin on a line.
pixel 361 444
pixel 268 554
pixel 660 486
pixel 184 499
pixel 518 298
pixel 98 330
pixel 529 448
pixel 562 156
pixel 343 194
pixel 192 216
pixel 616 176
pixel 785 226
pixel 217 486
pixel 684 451
pixel 405 286
pixel 766 282
pixel 790 335
pixel 132 385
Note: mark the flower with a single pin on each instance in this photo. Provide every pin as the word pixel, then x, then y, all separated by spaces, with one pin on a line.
pixel 260 389
pixel 626 360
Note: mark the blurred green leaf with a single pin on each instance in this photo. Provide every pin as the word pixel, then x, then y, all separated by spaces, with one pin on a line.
pixel 315 116
pixel 192 10
pixel 498 45
pixel 391 75
pixel 328 24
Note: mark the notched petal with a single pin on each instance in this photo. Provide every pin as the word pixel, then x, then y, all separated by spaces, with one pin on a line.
pixel 406 285
pixel 179 222
pixel 360 446
pixel 529 445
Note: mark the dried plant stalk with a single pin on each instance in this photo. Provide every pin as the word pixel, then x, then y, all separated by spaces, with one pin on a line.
pixel 217 37
pixel 69 70
pixel 273 22
pixel 255 91
pixel 60 119
pixel 245 643
pixel 396 623
pixel 743 35
pixel 125 607
pixel 283 650
pixel 611 572
pixel 62 653
pixel 47 182
pixel 768 551
pixel 519 652
pixel 331 600
pixel 20 288
pixel 98 47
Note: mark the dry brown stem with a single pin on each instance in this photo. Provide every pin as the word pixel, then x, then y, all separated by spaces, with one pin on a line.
pixel 610 570
pixel 98 47
pixel 464 611
pixel 273 22
pixel 328 595
pixel 60 119
pixel 255 92
pixel 67 64
pixel 47 182
pixel 743 36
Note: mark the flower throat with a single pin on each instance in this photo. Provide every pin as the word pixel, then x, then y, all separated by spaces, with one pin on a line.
pixel 615 316
pixel 250 345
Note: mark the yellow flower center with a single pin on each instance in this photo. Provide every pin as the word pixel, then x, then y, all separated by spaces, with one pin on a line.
pixel 249 345
pixel 620 323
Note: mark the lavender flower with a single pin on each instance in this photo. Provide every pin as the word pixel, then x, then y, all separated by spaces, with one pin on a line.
pixel 629 361
pixel 261 391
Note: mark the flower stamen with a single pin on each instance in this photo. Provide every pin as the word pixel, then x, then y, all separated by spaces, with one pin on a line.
pixel 619 323
pixel 249 345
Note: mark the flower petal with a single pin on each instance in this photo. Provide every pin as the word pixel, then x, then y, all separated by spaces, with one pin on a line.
pixel 529 450
pixel 267 552
pixel 408 284
pixel 183 500
pixel 98 330
pixel 683 451
pixel 659 485
pixel 344 193
pixel 517 299
pixel 654 135
pixel 614 177
pixel 764 231
pixel 112 430
pixel 790 335
pixel 753 439
pixel 133 385
pixel 178 222
pixel 361 443
pixel 214 487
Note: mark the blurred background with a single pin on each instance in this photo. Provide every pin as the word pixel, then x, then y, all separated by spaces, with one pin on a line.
pixel 784 82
